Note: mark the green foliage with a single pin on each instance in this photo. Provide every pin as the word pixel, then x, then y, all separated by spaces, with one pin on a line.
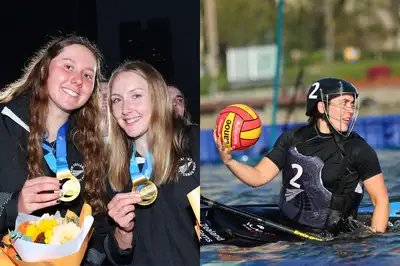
pixel 242 23
pixel 72 220
pixel 221 83
pixel 339 68
pixel 16 234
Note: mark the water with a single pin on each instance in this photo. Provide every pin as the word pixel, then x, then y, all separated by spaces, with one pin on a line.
pixel 219 184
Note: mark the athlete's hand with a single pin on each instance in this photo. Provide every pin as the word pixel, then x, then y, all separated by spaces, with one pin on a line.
pixel 374 230
pixel 39 193
pixel 122 209
pixel 224 152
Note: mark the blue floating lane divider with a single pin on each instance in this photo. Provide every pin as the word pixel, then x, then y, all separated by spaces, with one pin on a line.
pixel 394 209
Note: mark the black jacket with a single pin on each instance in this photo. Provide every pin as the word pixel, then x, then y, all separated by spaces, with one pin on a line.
pixel 14 116
pixel 164 232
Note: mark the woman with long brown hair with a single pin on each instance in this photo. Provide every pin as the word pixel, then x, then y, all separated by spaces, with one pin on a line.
pixel 50 126
pixel 153 166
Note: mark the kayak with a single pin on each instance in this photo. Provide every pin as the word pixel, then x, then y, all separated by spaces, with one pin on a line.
pixel 255 225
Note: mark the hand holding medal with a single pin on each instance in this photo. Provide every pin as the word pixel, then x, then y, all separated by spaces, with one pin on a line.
pixel 147 190
pixel 141 179
pixel 71 188
pixel 122 210
pixel 35 195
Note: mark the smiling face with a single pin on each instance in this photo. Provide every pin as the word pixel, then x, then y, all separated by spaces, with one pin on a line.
pixel 71 78
pixel 130 103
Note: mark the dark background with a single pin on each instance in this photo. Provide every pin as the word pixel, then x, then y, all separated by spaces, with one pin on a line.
pixel 163 33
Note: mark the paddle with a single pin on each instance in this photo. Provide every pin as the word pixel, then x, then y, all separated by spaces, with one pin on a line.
pixel 282 228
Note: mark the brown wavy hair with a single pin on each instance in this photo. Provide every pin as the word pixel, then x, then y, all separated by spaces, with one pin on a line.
pixel 167 134
pixel 87 133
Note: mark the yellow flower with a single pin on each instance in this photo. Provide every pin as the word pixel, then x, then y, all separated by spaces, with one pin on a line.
pixel 43 225
pixel 48 235
pixel 47 224
pixel 32 231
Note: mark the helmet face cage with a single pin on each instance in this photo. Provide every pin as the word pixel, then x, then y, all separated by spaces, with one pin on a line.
pixel 343 108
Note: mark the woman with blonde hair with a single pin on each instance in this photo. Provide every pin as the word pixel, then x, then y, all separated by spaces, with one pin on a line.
pixel 50 133
pixel 153 166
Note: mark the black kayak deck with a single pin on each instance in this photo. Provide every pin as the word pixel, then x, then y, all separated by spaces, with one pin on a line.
pixel 221 227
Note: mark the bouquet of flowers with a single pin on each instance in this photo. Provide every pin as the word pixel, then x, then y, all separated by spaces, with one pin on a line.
pixel 50 239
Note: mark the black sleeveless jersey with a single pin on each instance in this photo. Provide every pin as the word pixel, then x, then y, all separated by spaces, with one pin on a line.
pixel 309 141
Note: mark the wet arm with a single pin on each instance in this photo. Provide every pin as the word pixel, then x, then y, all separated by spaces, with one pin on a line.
pixel 370 173
pixel 268 168
pixel 264 172
pixel 378 193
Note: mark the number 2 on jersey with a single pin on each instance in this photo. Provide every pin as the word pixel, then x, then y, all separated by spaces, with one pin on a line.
pixel 297 176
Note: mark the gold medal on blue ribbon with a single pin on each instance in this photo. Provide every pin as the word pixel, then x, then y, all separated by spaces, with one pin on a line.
pixel 141 179
pixel 148 190
pixel 59 165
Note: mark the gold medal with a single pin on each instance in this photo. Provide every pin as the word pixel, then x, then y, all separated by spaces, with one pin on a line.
pixel 148 193
pixel 71 188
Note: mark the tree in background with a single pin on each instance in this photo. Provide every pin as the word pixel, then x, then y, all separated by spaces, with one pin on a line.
pixel 308 25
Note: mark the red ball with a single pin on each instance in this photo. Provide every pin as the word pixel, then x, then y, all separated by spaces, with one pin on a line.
pixel 239 126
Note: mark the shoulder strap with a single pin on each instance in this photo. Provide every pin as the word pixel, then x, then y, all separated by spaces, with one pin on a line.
pixel 345 162
pixel 299 133
pixel 341 181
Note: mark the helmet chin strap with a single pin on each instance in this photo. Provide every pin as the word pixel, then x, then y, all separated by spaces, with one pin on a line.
pixel 336 136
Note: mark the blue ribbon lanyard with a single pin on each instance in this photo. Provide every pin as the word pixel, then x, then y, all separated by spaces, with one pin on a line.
pixel 134 168
pixel 59 164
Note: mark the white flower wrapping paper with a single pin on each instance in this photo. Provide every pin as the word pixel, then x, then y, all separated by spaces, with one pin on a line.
pixel 34 252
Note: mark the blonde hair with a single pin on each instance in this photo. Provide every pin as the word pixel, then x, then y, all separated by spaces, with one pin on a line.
pixel 166 144
pixel 87 132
